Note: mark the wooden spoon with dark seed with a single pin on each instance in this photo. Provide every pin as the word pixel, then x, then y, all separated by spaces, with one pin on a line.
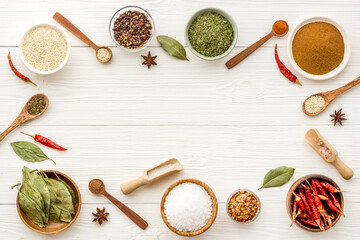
pixel 96 186
pixel 24 116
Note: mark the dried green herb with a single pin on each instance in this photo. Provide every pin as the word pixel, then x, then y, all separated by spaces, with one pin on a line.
pixel 211 34
pixel 38 182
pixel 30 208
pixel 59 195
pixel 68 188
pixel 278 177
pixel 44 199
pixel 172 47
pixel 36 105
pixel 29 152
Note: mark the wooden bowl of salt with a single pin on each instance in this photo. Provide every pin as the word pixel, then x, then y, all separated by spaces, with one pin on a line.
pixel 185 201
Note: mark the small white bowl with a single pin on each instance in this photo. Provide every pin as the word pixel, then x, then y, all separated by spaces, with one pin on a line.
pixel 334 72
pixel 35 70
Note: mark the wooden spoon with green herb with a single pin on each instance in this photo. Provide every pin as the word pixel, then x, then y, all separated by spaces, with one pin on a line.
pixel 34 108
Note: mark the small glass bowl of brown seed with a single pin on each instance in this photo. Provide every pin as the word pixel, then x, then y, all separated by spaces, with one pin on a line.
pixel 243 206
pixel 132 28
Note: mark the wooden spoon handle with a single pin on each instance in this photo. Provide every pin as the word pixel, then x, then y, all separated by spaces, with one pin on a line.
pixel 131 185
pixel 336 92
pixel 128 212
pixel 69 26
pixel 18 121
pixel 345 171
pixel 245 53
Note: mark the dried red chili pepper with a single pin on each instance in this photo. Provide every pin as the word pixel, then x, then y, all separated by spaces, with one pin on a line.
pixel 299 202
pixel 315 211
pixel 26 79
pixel 335 201
pixel 308 222
pixel 45 141
pixel 323 192
pixel 284 70
pixel 304 200
pixel 296 212
pixel 330 187
pixel 317 200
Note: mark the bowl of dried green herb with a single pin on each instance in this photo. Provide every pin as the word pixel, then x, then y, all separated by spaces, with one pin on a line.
pixel 48 202
pixel 211 34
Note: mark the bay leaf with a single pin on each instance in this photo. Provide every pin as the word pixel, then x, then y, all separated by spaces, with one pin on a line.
pixel 29 152
pixel 39 183
pixel 277 177
pixel 172 47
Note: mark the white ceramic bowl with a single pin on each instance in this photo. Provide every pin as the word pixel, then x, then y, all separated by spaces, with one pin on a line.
pixel 334 72
pixel 35 70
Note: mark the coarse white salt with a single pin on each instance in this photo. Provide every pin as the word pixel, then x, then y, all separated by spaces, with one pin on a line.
pixel 314 104
pixel 44 48
pixel 188 207
pixel 153 173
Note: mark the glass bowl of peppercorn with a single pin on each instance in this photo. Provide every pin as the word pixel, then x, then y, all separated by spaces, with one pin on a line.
pixel 132 28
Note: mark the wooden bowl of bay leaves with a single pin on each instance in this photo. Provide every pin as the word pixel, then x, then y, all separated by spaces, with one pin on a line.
pixel 62 199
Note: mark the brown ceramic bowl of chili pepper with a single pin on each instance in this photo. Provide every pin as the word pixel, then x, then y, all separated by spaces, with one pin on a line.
pixel 315 203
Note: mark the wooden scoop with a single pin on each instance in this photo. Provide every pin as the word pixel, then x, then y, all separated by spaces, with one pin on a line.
pixel 245 53
pixel 24 116
pixel 331 95
pixel 74 30
pixel 327 152
pixel 147 177
pixel 96 186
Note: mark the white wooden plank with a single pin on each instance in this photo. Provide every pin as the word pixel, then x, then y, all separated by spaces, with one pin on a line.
pixel 226 158
pixel 228 128
pixel 175 92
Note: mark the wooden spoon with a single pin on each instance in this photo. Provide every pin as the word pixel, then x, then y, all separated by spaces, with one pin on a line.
pixel 144 179
pixel 327 152
pixel 24 116
pixel 331 95
pixel 96 186
pixel 245 53
pixel 74 30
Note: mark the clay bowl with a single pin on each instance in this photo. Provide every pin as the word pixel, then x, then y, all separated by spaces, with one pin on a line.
pixel 51 227
pixel 290 199
pixel 214 210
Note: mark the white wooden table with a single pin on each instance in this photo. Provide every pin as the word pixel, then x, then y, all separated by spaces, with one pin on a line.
pixel 228 128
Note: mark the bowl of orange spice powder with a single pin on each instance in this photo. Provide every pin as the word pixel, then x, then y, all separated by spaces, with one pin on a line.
pixel 319 48
pixel 243 206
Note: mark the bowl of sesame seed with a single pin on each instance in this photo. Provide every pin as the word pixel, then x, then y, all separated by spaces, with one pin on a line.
pixel 132 28
pixel 45 49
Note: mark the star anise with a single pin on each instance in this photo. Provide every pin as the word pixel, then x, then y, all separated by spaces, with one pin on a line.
pixel 100 216
pixel 338 117
pixel 149 60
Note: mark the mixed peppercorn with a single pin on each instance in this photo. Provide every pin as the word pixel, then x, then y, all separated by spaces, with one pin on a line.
pixel 132 29
pixel 315 205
